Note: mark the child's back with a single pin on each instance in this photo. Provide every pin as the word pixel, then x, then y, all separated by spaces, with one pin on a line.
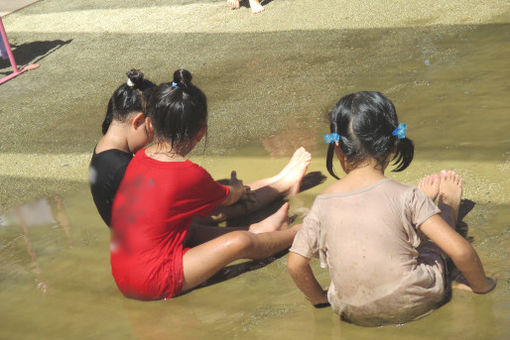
pixel 107 169
pixel 368 239
pixel 385 243
pixel 124 133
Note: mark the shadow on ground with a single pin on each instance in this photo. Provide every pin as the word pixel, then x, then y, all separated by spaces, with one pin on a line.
pixel 31 53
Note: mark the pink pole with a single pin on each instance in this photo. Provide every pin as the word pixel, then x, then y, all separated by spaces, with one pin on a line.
pixel 8 47
pixel 15 72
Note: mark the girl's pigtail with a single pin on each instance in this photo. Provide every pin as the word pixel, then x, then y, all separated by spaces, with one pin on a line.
pixel 404 155
pixel 331 146
pixel 127 98
pixel 182 79
pixel 136 78
pixel 329 160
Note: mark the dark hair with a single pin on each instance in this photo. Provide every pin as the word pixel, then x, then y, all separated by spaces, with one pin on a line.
pixel 127 98
pixel 365 122
pixel 178 111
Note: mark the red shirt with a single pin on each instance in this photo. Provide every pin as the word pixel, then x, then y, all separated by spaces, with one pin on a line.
pixel 151 216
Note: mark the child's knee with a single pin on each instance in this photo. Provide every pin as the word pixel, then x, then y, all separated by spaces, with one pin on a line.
pixel 241 241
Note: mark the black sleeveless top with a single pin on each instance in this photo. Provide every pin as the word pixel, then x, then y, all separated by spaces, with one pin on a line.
pixel 106 171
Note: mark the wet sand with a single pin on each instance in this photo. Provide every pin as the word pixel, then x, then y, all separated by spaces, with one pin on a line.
pixel 270 81
pixel 10 6
pixel 50 117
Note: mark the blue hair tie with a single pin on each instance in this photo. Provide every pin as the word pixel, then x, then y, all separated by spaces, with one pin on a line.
pixel 331 137
pixel 400 131
pixel 174 84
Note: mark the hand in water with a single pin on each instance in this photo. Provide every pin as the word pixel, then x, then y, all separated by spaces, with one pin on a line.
pixel 462 284
pixel 244 191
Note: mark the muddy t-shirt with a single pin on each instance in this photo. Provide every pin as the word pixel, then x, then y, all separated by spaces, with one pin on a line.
pixel 368 239
pixel 106 171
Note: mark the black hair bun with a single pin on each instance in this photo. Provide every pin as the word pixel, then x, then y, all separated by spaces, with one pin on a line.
pixel 136 77
pixel 183 78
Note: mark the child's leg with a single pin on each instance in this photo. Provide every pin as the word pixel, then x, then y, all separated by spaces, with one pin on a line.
pixel 203 261
pixel 200 234
pixel 229 247
pixel 448 187
pixel 267 190
pixel 454 245
pixel 430 253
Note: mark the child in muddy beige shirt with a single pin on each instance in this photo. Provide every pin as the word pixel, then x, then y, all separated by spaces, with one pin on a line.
pixel 366 228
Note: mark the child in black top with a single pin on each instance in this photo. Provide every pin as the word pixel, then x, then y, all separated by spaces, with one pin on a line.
pixel 124 133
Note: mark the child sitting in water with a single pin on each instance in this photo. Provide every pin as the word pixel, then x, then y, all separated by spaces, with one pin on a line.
pixel 125 132
pixel 255 5
pixel 162 192
pixel 366 227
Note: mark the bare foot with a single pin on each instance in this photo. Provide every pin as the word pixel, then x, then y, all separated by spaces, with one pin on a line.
pixel 289 179
pixel 276 221
pixel 256 7
pixel 429 185
pixel 450 193
pixel 233 3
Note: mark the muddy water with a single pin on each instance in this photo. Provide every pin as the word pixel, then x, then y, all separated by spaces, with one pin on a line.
pixel 449 84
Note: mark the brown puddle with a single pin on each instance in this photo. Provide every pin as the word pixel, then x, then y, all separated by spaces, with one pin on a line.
pixel 449 84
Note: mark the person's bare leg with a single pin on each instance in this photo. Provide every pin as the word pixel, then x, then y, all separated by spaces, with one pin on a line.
pixel 448 187
pixel 203 261
pixel 256 7
pixel 265 191
pixel 450 194
pixel 200 234
pixel 233 3
pixel 429 185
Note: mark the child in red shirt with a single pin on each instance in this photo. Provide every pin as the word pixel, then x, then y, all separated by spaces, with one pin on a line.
pixel 162 192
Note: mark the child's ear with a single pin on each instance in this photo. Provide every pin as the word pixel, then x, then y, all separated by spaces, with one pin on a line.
pixel 338 151
pixel 149 128
pixel 138 120
pixel 340 155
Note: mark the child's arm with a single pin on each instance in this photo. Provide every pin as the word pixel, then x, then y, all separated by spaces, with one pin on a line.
pixel 237 190
pixel 460 251
pixel 300 271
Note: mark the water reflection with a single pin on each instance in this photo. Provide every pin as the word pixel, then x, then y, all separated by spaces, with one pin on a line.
pixel 36 220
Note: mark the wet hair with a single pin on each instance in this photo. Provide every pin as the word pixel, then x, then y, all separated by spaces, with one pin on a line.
pixel 365 122
pixel 128 98
pixel 178 111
